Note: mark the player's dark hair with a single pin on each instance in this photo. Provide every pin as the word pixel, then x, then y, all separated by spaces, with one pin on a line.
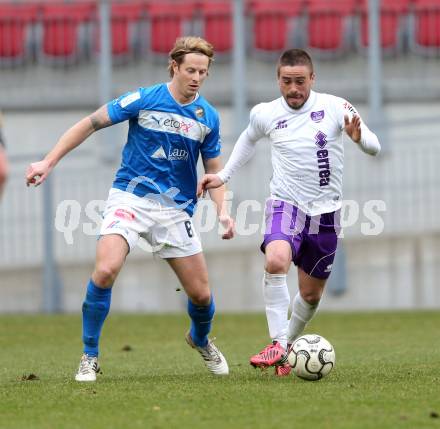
pixel 189 45
pixel 295 57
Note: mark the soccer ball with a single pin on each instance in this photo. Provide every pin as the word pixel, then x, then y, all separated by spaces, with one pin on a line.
pixel 311 357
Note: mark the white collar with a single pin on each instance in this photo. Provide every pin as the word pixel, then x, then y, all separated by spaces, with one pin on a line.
pixel 180 104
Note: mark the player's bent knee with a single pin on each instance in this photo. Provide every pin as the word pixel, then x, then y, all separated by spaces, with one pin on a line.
pixel 277 264
pixel 201 297
pixel 105 275
pixel 312 298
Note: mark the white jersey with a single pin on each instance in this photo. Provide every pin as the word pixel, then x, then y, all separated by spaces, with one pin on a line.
pixel 307 149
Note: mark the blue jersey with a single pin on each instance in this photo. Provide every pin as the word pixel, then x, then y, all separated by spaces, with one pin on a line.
pixel 164 140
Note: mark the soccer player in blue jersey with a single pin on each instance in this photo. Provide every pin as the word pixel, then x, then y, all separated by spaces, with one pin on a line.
pixel 154 193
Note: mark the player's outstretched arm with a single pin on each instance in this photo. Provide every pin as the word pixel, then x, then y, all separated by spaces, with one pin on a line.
pixel 217 194
pixel 208 181
pixel 243 151
pixel 37 172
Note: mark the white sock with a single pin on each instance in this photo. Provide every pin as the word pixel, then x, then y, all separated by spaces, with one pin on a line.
pixel 277 299
pixel 302 313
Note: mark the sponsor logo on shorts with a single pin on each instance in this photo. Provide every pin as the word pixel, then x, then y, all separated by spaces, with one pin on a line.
pixel 124 214
pixel 328 269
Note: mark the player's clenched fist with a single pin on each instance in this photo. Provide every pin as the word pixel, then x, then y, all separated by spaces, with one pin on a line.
pixel 37 172
pixel 208 181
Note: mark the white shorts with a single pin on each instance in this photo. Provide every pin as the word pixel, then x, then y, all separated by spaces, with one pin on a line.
pixel 168 232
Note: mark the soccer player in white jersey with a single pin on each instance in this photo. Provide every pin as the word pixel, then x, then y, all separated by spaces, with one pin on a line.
pixel 154 193
pixel 304 129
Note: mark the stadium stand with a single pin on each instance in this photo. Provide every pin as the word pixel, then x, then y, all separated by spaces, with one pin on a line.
pixel 17 23
pixel 424 26
pixel 217 24
pixel 329 27
pixel 276 24
pixel 169 20
pixel 65 31
pixel 393 19
pixel 126 19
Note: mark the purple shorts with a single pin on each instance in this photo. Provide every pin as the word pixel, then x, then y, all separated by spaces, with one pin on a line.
pixel 313 239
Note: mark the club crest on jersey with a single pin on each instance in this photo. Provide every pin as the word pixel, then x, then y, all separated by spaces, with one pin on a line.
pixel 200 112
pixel 317 116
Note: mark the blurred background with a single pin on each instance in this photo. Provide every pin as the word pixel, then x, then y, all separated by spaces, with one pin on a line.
pixel 59 61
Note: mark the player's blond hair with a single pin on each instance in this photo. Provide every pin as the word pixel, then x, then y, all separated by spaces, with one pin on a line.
pixel 189 45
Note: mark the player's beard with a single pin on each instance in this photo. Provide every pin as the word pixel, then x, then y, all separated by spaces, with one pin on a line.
pixel 296 106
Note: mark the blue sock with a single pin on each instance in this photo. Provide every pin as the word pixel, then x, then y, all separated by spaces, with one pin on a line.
pixel 201 318
pixel 95 309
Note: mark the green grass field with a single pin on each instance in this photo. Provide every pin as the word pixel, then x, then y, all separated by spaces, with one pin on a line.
pixel 387 375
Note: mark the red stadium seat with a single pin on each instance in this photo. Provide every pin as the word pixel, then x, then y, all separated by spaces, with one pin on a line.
pixel 168 21
pixel 217 24
pixel 274 23
pixel 328 26
pixel 125 20
pixel 63 25
pixel 16 22
pixel 425 27
pixel 392 25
